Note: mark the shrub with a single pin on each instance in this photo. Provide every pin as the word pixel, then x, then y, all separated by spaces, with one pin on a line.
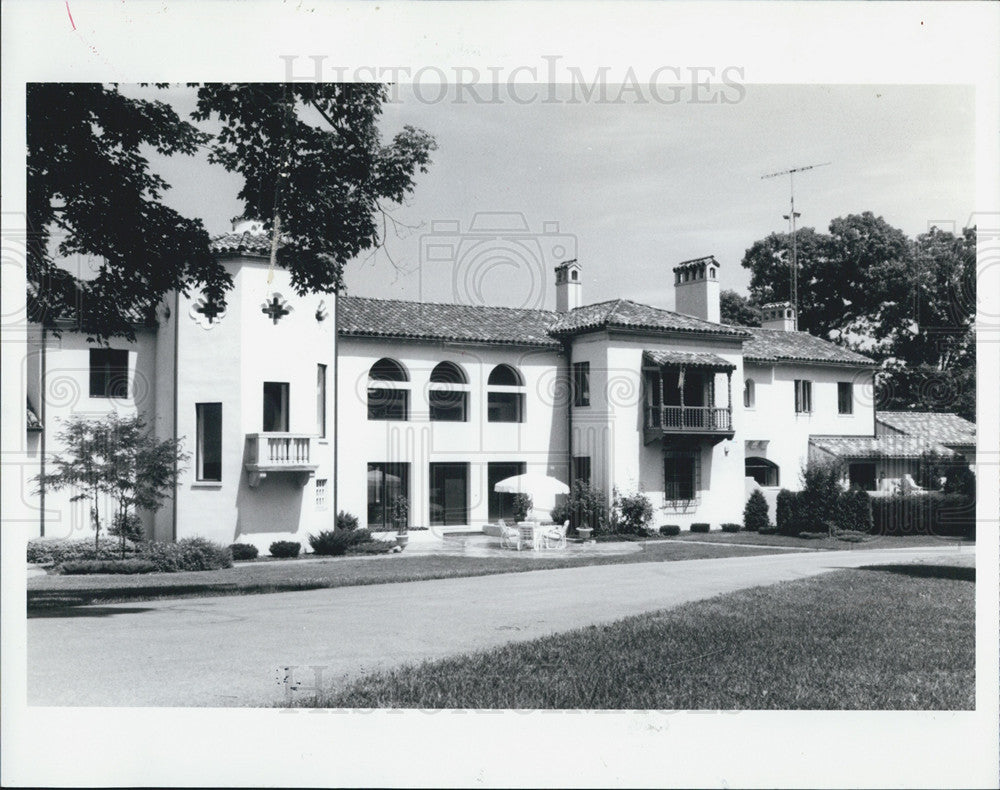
pixel 586 506
pixel 346 521
pixel 336 543
pixel 634 513
pixel 45 551
pixel 669 530
pixel 755 515
pixel 371 547
pixel 522 506
pixel 817 502
pixel 285 548
pixel 130 524
pixel 77 567
pixel 243 551
pixel 700 526
pixel 854 511
pixel 947 515
pixel 785 513
pixel 189 554
pixel 731 527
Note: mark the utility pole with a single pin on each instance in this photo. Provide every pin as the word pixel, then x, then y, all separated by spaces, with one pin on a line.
pixel 791 216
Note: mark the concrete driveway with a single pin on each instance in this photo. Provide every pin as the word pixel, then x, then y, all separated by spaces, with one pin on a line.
pixel 233 651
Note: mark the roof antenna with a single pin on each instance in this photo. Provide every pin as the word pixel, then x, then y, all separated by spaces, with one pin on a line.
pixel 791 217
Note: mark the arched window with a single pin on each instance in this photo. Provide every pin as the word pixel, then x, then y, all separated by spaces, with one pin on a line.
pixel 573 276
pixel 448 393
pixel 388 393
pixel 765 472
pixel 505 395
pixel 749 394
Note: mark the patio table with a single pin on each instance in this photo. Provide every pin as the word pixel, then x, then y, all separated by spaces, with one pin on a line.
pixel 532 532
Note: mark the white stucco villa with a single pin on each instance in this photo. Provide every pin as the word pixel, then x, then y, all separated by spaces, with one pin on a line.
pixel 295 407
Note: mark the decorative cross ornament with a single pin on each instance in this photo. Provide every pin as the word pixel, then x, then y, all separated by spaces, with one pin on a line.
pixel 205 314
pixel 276 309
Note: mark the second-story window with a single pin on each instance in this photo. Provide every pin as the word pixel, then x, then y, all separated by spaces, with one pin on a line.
pixel 845 397
pixel 108 373
pixel 448 393
pixel 276 406
pixel 388 391
pixel 749 394
pixel 581 383
pixel 505 395
pixel 803 396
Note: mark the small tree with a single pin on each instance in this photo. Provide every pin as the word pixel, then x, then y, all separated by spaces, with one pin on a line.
pixel 586 506
pixel 755 514
pixel 399 512
pixel 633 512
pixel 523 503
pixel 115 456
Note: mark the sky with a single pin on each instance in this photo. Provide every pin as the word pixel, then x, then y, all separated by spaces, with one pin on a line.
pixel 631 189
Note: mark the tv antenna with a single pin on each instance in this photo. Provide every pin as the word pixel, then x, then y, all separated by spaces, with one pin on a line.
pixel 791 217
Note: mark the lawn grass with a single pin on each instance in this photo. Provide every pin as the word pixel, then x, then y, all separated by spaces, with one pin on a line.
pixel 871 542
pixel 867 639
pixel 268 577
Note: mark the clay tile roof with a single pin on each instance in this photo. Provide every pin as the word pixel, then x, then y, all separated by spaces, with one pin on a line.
pixel 694 359
pixel 878 446
pixel 776 345
pixel 360 316
pixel 626 314
pixel 253 245
pixel 941 427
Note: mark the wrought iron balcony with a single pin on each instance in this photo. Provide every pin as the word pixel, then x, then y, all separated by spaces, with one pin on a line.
pixel 267 453
pixel 711 421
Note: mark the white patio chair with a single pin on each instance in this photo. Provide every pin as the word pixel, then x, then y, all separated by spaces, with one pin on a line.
pixel 556 537
pixel 510 537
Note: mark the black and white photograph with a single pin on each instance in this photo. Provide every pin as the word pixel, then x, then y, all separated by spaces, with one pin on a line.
pixel 510 394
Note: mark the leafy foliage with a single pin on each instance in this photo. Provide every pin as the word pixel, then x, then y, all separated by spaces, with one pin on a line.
pixel 77 567
pixel 909 303
pixel 951 515
pixel 670 530
pixel 522 506
pixel 854 511
pixel 731 527
pixel 243 551
pixel 47 551
pixel 755 513
pixel 129 525
pixel 734 308
pixel 700 526
pixel 188 554
pixel 586 506
pixel 632 513
pixel 938 472
pixel 285 548
pixel 336 543
pixel 346 521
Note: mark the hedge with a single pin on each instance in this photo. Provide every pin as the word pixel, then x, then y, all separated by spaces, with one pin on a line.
pixel 244 551
pixel 731 527
pixel 669 530
pixel 189 554
pixel 699 526
pixel 947 515
pixel 78 567
pixel 285 548
pixel 47 551
pixel 337 542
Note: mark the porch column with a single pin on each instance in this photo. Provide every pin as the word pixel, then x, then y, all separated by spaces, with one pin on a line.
pixel 729 397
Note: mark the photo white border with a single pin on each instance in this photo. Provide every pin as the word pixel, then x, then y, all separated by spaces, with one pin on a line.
pixel 778 43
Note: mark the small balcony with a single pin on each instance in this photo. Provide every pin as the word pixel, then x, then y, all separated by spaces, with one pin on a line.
pixel 712 422
pixel 270 453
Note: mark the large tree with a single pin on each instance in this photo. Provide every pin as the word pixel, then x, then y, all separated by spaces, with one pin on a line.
pixel 315 168
pixel 734 308
pixel 909 303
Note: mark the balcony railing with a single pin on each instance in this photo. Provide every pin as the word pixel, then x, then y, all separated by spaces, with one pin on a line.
pixel 279 452
pixel 712 421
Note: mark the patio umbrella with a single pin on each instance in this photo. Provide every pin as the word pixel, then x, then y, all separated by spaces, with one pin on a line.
pixel 542 489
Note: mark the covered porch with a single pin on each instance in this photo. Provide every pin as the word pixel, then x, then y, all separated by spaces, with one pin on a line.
pixel 680 396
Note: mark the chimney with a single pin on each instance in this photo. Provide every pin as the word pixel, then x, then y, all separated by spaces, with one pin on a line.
pixel 569 288
pixel 696 288
pixel 779 315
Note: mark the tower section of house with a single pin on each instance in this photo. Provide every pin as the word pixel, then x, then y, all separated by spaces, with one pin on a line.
pixel 253 395
pixel 437 403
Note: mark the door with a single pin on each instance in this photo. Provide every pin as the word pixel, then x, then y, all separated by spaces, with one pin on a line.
pixel 276 406
pixel 449 500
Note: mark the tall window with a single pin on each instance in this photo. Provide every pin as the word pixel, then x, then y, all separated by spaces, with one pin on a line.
pixel 385 483
pixel 276 406
pixel 208 449
pixel 321 401
pixel 505 395
pixel 108 373
pixel 388 395
pixel 448 395
pixel 581 383
pixel 803 396
pixel 749 394
pixel 581 468
pixel 680 473
pixel 502 505
pixel 845 397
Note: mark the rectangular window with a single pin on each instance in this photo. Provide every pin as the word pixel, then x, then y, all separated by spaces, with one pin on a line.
pixel 448 405
pixel 803 396
pixel 108 373
pixel 449 494
pixel 581 383
pixel 680 472
pixel 275 406
pixel 862 476
pixel 386 404
pixel 502 505
pixel 505 407
pixel 209 441
pixel 386 482
pixel 845 397
pixel 581 468
pixel 321 494
pixel 321 401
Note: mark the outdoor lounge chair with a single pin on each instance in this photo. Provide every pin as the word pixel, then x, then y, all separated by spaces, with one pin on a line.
pixel 556 537
pixel 510 537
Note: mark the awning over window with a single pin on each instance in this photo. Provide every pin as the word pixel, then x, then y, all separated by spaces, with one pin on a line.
pixel 691 359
